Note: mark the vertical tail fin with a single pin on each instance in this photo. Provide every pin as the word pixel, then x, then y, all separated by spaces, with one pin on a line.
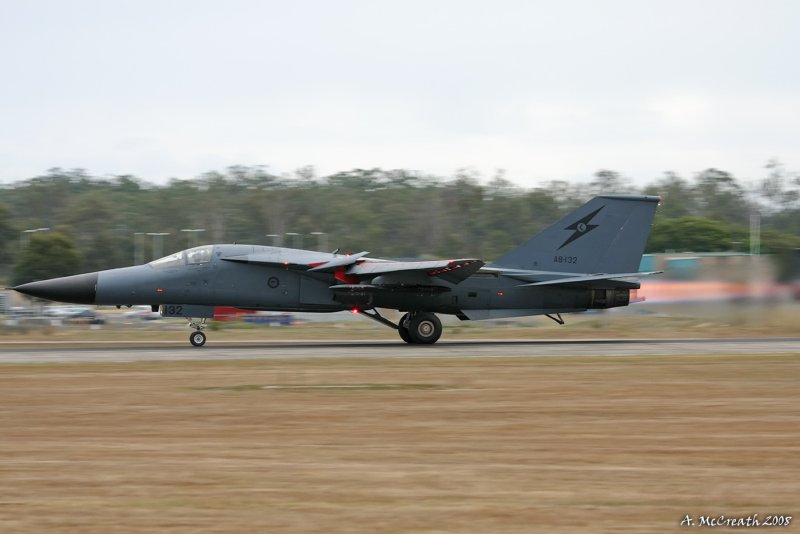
pixel 606 235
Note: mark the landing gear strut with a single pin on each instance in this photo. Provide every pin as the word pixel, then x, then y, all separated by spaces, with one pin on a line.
pixel 197 338
pixel 421 328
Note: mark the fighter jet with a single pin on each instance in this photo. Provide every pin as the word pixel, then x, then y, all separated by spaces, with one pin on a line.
pixel 587 260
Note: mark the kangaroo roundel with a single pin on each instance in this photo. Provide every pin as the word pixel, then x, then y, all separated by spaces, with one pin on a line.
pixel 581 228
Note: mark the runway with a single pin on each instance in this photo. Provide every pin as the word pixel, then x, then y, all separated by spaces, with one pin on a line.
pixel 62 352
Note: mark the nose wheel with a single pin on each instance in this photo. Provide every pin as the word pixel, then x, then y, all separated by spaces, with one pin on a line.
pixel 198 339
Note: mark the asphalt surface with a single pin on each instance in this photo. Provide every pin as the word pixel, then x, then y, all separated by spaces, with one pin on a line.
pixel 44 352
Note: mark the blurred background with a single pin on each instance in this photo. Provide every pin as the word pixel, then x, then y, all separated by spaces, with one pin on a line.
pixel 454 129
pixel 725 247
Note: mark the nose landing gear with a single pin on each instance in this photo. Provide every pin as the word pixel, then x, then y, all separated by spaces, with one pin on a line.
pixel 197 338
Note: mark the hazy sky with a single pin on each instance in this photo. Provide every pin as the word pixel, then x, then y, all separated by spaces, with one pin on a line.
pixel 545 90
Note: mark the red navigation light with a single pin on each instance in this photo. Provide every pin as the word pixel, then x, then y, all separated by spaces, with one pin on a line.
pixel 356 311
pixel 160 290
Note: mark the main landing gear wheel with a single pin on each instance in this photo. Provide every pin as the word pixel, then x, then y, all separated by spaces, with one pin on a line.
pixel 198 339
pixel 424 328
pixel 403 330
pixel 414 327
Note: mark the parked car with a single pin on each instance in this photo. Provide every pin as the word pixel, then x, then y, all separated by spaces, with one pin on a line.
pixel 142 313
pixel 85 316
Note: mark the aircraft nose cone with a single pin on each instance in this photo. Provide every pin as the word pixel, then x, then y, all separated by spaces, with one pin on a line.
pixel 79 289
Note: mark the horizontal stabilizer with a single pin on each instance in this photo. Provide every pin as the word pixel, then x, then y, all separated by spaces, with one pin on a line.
pixel 580 280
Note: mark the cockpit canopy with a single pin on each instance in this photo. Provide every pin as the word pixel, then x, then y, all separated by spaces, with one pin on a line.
pixel 193 256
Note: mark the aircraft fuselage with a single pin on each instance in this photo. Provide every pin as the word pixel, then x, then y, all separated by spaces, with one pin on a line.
pixel 584 261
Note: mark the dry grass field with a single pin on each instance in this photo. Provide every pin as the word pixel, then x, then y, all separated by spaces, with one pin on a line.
pixel 542 444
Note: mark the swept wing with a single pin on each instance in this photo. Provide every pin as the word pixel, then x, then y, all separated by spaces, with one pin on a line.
pixel 453 271
pixel 357 267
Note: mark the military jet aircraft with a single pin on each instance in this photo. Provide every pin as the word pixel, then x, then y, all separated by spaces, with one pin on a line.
pixel 587 260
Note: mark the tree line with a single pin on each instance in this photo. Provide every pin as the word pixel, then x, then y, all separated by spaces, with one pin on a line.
pixel 67 221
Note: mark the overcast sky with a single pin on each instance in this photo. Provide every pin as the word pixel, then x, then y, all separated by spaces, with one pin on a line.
pixel 543 89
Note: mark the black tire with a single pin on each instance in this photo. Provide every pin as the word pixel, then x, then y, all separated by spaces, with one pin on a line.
pixel 197 338
pixel 403 330
pixel 424 328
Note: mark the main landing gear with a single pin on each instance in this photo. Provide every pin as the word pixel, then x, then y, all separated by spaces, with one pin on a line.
pixel 197 338
pixel 421 328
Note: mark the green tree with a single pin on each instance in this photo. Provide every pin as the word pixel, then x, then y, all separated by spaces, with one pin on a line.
pixel 392 213
pixel 677 197
pixel 48 255
pixel 7 234
pixel 607 182
pixel 690 234
pixel 96 243
pixel 720 197
pixel 779 189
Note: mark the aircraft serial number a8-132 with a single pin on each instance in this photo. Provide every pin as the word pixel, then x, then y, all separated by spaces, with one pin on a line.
pixel 587 260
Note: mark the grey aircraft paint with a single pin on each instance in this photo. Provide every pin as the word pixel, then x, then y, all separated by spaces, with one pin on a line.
pixel 587 260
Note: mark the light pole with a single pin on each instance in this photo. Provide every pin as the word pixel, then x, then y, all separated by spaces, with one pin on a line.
pixel 158 243
pixel 755 233
pixel 191 235
pixel 138 248
pixel 25 236
pixel 298 239
pixel 322 241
